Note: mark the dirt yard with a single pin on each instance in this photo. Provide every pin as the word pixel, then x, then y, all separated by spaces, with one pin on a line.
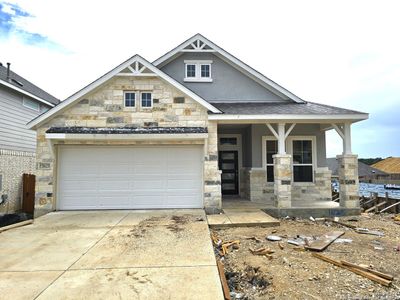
pixel 292 273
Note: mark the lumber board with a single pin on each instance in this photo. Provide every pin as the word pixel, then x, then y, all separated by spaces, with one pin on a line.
pixel 380 274
pixel 357 271
pixel 375 206
pixel 345 224
pixel 390 206
pixel 15 225
pixel 324 241
pixel 224 283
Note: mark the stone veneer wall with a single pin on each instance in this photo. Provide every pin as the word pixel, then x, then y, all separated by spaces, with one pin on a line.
pixel 255 188
pixel 319 190
pixel 105 108
pixel 12 165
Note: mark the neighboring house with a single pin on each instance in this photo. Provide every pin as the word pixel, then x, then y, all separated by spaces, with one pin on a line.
pixel 187 131
pixel 20 102
pixel 390 165
pixel 365 172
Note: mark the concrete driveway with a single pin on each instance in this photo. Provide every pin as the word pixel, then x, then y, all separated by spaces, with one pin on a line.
pixel 158 254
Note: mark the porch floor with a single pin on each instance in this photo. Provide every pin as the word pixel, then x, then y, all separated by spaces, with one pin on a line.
pixel 241 217
pixel 241 203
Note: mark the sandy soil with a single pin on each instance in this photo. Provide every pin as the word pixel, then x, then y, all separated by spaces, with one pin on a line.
pixel 294 274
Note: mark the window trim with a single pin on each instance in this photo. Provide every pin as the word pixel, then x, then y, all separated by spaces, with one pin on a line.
pixel 264 153
pixel 289 150
pixel 198 77
pixel 25 100
pixel 289 147
pixel 130 92
pixel 141 99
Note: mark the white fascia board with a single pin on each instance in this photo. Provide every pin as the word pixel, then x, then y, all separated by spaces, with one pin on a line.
pixel 11 86
pixel 113 73
pixel 122 137
pixel 231 58
pixel 326 118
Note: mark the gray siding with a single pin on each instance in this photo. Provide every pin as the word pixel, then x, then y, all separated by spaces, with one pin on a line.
pixel 14 134
pixel 228 84
pixel 260 130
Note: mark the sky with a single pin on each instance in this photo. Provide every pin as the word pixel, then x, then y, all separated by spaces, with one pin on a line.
pixel 341 53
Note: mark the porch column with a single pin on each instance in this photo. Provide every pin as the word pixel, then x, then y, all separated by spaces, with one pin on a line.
pixel 348 170
pixel 282 168
pixel 282 180
pixel 348 181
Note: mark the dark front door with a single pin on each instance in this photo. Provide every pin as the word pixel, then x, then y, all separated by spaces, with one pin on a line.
pixel 228 164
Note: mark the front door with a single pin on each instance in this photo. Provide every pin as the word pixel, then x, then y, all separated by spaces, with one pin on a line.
pixel 228 164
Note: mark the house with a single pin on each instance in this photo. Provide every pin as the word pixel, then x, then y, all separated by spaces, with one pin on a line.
pixel 193 129
pixel 390 165
pixel 366 173
pixel 20 101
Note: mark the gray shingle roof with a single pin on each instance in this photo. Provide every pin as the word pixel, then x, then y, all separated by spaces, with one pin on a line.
pixel 26 85
pixel 256 108
pixel 126 130
pixel 363 169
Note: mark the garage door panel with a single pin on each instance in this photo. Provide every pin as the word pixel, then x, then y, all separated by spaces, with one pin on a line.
pixel 107 177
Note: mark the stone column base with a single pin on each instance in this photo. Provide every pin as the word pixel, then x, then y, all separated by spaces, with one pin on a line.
pixel 283 180
pixel 348 181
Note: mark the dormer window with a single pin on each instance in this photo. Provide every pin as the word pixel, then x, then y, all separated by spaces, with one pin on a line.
pixel 198 71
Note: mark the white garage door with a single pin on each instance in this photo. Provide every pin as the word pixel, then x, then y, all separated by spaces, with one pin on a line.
pixel 108 177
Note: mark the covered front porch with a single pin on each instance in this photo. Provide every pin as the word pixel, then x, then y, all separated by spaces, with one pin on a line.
pixel 280 166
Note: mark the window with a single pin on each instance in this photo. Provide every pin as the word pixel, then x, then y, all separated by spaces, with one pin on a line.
pixel 205 71
pixel 271 148
pixel 190 71
pixel 228 141
pixel 130 99
pixel 31 104
pixel 146 100
pixel 302 161
pixel 198 70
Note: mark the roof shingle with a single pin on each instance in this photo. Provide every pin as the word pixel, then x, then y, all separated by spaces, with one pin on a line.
pixel 284 108
pixel 26 85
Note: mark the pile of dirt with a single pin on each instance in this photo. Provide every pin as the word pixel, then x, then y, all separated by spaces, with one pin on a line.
pixel 291 272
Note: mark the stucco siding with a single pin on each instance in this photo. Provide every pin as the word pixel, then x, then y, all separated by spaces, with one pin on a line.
pixel 228 83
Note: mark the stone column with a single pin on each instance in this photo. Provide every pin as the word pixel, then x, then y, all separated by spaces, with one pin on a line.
pixel 348 181
pixel 283 180
pixel 212 174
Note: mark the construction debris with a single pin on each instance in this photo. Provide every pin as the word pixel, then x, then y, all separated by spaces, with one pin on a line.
pixel 274 238
pixel 289 268
pixel 370 274
pixel 367 231
pixel 262 251
pixel 323 241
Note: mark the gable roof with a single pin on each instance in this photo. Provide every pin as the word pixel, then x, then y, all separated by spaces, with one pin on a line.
pixel 389 165
pixel 126 69
pixel 20 84
pixel 199 43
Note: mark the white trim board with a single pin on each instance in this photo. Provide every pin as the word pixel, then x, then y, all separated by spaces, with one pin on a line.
pixel 289 118
pixel 9 85
pixel 114 72
pixel 232 60
pixel 123 137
